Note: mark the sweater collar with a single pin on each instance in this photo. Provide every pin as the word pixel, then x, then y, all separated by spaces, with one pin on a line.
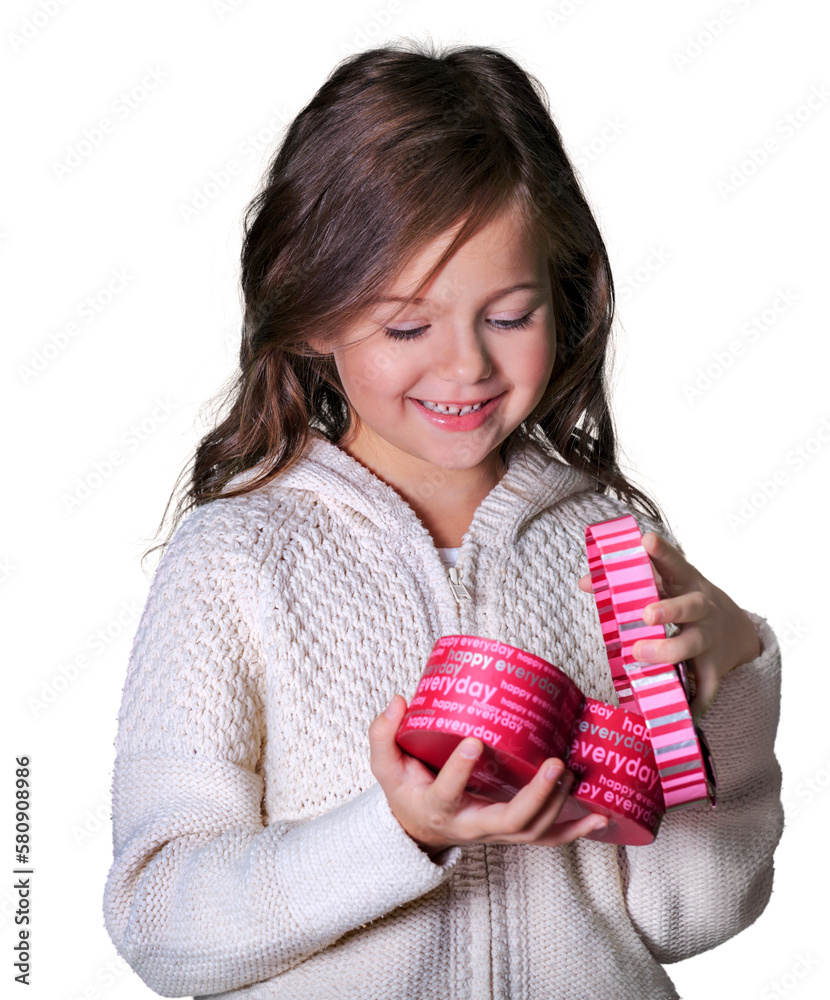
pixel 341 481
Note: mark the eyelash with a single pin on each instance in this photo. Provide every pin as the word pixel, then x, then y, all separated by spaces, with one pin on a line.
pixel 507 324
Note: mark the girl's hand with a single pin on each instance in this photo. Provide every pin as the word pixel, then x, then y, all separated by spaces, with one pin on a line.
pixel 436 812
pixel 716 635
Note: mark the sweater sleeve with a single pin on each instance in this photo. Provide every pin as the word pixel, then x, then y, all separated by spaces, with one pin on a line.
pixel 202 896
pixel 708 875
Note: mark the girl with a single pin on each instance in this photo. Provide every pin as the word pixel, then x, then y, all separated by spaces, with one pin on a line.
pixel 428 303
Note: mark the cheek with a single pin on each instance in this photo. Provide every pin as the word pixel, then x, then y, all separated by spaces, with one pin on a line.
pixel 536 363
pixel 390 375
pixel 375 378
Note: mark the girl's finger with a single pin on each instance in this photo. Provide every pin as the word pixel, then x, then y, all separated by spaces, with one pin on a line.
pixel 448 788
pixel 543 808
pixel 531 811
pixel 675 571
pixel 386 757
pixel 689 643
pixel 706 687
pixel 549 787
pixel 566 833
pixel 684 608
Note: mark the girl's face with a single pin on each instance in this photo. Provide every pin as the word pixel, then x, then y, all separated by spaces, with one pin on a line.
pixel 484 332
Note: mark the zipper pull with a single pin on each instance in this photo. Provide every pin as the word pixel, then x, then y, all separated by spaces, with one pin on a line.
pixel 458 587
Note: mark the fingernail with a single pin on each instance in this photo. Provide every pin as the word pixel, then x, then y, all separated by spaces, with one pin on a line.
pixel 644 650
pixel 656 616
pixel 469 749
pixel 390 708
pixel 600 823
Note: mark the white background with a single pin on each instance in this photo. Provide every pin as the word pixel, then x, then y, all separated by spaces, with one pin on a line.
pixel 690 90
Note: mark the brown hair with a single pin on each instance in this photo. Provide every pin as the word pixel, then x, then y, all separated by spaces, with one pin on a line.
pixel 400 144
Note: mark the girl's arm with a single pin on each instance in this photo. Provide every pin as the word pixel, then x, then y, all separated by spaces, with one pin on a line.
pixel 708 875
pixel 203 897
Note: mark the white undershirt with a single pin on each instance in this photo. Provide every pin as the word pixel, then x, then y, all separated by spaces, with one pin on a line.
pixel 448 556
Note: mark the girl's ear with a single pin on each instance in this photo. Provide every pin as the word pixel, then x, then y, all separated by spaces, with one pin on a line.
pixel 317 344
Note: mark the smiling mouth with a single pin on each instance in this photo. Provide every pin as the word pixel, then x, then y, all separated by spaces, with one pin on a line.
pixel 454 409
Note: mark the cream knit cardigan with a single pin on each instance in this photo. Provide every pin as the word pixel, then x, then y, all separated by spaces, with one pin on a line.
pixel 255 854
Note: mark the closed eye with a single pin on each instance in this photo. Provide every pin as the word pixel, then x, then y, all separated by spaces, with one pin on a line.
pixel 500 324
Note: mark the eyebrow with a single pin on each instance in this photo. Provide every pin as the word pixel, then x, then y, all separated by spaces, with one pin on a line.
pixel 524 286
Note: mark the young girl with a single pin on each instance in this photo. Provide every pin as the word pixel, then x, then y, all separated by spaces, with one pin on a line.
pixel 421 247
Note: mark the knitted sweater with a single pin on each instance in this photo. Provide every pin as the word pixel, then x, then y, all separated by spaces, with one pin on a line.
pixel 255 854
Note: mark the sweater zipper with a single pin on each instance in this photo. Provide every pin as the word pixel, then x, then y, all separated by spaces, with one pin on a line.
pixel 462 594
pixel 458 588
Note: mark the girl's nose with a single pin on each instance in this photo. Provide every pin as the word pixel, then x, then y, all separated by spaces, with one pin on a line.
pixel 463 355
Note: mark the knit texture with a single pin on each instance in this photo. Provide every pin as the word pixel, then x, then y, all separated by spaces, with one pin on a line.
pixel 255 854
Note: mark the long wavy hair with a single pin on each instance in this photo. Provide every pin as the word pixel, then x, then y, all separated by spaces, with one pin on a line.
pixel 400 144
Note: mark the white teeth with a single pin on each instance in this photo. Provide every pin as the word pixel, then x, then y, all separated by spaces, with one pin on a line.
pixel 455 410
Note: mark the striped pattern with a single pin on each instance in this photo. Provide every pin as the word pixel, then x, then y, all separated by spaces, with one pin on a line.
pixel 623 584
